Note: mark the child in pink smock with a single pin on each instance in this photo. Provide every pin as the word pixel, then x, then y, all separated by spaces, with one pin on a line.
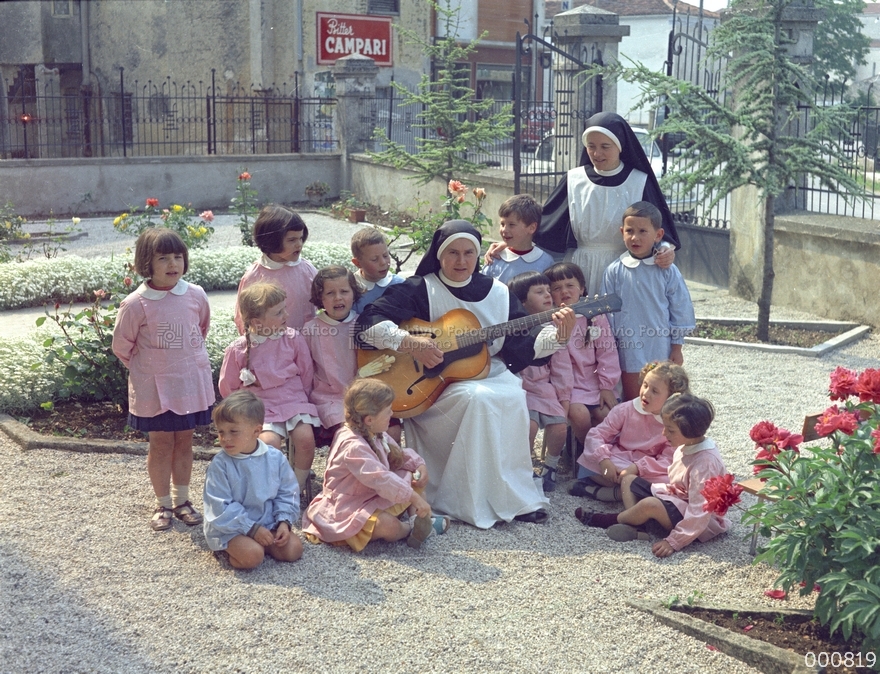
pixel 329 336
pixel 676 504
pixel 280 234
pixel 370 481
pixel 630 441
pixel 273 361
pixel 594 361
pixel 160 337
pixel 548 386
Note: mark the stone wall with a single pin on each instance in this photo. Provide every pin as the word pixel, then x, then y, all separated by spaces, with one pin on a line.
pixel 38 187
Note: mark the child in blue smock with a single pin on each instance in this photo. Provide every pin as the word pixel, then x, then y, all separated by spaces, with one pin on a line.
pixel 657 309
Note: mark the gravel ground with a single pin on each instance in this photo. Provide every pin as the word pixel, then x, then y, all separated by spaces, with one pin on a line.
pixel 87 587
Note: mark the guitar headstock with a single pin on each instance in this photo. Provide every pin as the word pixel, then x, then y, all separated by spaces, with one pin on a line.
pixel 600 304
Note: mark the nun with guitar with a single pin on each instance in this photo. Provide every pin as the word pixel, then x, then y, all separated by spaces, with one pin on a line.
pixel 449 341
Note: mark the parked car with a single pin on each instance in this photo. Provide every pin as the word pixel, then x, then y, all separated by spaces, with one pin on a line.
pixel 539 123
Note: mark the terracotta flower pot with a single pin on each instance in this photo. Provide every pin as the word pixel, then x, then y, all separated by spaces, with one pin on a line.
pixel 357 214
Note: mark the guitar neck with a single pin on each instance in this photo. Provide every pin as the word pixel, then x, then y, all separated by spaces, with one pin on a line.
pixel 586 308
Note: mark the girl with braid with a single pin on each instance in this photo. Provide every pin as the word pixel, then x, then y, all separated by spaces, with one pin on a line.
pixel 273 361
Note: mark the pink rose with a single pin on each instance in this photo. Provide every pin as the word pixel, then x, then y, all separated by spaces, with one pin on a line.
pixel 457 187
pixel 479 193
pixel 834 419
pixel 843 383
pixel 207 216
pixel 100 293
pixel 245 176
pixel 127 281
pixel 868 386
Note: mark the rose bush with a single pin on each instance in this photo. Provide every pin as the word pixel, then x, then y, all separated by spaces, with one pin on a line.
pixel 181 219
pixel 823 515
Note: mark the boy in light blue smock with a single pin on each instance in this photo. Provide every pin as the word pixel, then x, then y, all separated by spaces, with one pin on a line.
pixel 369 250
pixel 520 217
pixel 657 309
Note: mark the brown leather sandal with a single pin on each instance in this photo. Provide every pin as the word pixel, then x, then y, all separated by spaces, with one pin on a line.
pixel 161 520
pixel 187 514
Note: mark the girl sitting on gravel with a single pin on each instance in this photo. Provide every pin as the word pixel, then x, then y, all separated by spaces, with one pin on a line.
pixel 280 234
pixel 274 362
pixel 370 481
pixel 678 504
pixel 160 337
pixel 630 440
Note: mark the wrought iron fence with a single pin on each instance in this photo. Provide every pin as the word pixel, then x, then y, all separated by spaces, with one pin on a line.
pixel 40 119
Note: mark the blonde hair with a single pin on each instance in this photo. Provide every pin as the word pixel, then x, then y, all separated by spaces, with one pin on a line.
pixel 253 303
pixel 241 405
pixel 368 236
pixel 674 375
pixel 368 397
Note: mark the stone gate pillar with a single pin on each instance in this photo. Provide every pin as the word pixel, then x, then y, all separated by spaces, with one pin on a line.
pixel 355 77
pixel 747 208
pixel 590 35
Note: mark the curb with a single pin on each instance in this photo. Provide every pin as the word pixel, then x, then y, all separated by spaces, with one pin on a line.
pixel 854 332
pixel 761 655
pixel 28 439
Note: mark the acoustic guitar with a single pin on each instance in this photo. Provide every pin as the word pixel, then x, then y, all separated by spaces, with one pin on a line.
pixel 464 344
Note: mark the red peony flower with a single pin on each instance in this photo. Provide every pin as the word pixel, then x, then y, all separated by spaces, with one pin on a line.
pixel 834 419
pixel 868 386
pixel 245 176
pixel 843 383
pixel 766 455
pixel 876 435
pixel 775 594
pixel 720 493
pixel 763 433
pixel 154 203
pixel 787 440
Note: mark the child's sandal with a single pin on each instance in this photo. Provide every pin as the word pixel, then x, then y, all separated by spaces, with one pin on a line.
pixel 161 520
pixel 440 524
pixel 187 514
pixel 422 528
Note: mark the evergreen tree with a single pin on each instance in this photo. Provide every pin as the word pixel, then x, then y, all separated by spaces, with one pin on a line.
pixel 750 136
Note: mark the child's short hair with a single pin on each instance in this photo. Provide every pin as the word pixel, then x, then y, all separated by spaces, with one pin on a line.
pixel 644 209
pixel 520 284
pixel 158 240
pixel 563 270
pixel 241 405
pixel 691 414
pixel 368 236
pixel 272 225
pixel 522 206
pixel 256 299
pixel 333 271
pixel 674 375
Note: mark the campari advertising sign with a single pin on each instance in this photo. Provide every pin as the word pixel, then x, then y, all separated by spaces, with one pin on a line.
pixel 345 34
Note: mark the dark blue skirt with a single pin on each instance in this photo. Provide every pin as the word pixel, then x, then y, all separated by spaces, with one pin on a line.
pixel 170 422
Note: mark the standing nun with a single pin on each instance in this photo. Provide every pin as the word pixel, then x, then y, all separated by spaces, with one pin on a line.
pixel 475 437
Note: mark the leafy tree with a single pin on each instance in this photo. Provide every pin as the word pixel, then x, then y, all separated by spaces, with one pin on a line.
pixel 750 137
pixel 453 121
pixel 839 45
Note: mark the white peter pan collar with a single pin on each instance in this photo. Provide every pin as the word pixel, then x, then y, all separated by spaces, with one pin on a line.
pixel 532 256
pixel 268 263
pixel 632 262
pixel 369 285
pixel 707 443
pixel 259 339
pixel 149 293
pixel 322 315
pixel 261 449
pixel 637 403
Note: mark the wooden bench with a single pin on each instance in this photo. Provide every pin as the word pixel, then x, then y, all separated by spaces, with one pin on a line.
pixel 756 487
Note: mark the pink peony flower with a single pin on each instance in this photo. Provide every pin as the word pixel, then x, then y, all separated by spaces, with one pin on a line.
pixel 245 176
pixel 762 433
pixel 207 216
pixel 834 419
pixel 457 187
pixel 154 203
pixel 720 493
pixel 843 383
pixel 868 386
pixel 876 435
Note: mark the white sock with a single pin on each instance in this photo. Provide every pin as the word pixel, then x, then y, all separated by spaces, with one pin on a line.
pixel 179 494
pixel 164 501
pixel 551 461
pixel 302 476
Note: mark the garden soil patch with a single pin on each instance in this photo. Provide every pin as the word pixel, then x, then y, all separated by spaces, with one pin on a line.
pixel 799 634
pixel 780 335
pixel 103 420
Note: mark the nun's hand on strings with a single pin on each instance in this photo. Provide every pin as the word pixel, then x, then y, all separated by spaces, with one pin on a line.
pixel 664 257
pixel 494 252
pixel 564 320
pixel 422 349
